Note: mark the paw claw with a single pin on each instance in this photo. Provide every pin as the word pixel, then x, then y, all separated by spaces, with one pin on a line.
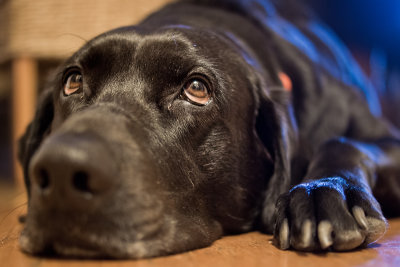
pixel 284 235
pixel 334 216
pixel 306 234
pixel 325 234
pixel 359 216
pixel 303 241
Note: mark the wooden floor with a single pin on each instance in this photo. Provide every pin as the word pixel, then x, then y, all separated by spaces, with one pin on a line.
pixel 252 249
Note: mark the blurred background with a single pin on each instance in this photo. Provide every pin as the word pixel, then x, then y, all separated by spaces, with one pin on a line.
pixel 35 36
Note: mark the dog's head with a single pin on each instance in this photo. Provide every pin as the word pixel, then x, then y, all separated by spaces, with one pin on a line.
pixel 148 143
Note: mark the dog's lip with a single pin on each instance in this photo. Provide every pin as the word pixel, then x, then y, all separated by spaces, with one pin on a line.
pixel 59 248
pixel 76 251
pixel 70 236
pixel 88 245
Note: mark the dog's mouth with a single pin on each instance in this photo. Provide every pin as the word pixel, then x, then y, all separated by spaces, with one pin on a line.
pixel 70 240
pixel 57 248
pixel 77 243
pixel 91 247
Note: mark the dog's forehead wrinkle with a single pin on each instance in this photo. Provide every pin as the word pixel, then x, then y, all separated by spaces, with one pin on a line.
pixel 132 36
pixel 120 89
pixel 107 51
pixel 179 41
pixel 160 64
pixel 168 56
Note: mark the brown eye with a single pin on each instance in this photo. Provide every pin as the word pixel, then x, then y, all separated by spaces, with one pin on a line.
pixel 73 83
pixel 196 92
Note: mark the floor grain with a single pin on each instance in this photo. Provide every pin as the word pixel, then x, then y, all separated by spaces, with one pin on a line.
pixel 252 249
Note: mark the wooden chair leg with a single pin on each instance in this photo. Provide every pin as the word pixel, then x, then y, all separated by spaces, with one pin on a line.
pixel 24 94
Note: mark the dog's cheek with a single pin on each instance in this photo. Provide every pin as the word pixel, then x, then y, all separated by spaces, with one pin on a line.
pixel 228 185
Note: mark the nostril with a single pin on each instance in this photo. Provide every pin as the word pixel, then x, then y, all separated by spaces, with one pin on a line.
pixel 43 179
pixel 81 182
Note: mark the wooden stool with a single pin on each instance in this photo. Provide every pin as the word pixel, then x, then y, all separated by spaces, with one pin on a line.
pixel 24 76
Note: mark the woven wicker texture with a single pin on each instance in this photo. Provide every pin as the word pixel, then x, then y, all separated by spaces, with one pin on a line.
pixel 53 29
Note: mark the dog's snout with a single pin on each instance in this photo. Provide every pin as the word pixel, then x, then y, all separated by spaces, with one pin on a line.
pixel 45 177
pixel 67 170
pixel 80 181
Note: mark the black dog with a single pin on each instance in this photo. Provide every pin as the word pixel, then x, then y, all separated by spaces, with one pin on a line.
pixel 208 119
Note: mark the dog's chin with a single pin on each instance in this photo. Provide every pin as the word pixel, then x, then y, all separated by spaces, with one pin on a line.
pixel 38 246
pixel 79 244
pixel 69 251
pixel 116 250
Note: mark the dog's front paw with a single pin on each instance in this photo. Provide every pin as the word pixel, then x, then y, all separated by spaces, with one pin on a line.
pixel 327 213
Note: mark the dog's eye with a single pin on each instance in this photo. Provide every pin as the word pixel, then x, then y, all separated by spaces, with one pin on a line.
pixel 196 92
pixel 73 83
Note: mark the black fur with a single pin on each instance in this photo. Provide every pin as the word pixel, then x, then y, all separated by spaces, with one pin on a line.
pixel 127 167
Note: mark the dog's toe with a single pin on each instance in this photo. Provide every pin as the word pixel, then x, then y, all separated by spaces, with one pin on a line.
pixel 376 229
pixel 347 240
pixel 322 215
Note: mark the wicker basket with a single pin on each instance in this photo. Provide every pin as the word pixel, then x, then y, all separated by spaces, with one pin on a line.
pixel 53 29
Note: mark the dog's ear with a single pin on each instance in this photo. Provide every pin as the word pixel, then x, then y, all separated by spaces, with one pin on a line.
pixel 35 131
pixel 275 129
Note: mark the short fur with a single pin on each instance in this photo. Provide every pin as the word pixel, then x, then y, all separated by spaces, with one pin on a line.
pixel 127 168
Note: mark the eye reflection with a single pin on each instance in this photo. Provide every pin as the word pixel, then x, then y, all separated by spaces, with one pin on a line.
pixel 73 84
pixel 197 92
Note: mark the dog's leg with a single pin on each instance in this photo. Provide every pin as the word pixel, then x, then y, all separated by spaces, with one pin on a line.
pixel 334 205
pixel 387 187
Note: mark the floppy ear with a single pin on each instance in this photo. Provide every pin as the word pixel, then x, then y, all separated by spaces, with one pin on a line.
pixel 35 132
pixel 275 129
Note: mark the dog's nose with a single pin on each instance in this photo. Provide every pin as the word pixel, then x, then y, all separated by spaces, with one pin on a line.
pixel 71 171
